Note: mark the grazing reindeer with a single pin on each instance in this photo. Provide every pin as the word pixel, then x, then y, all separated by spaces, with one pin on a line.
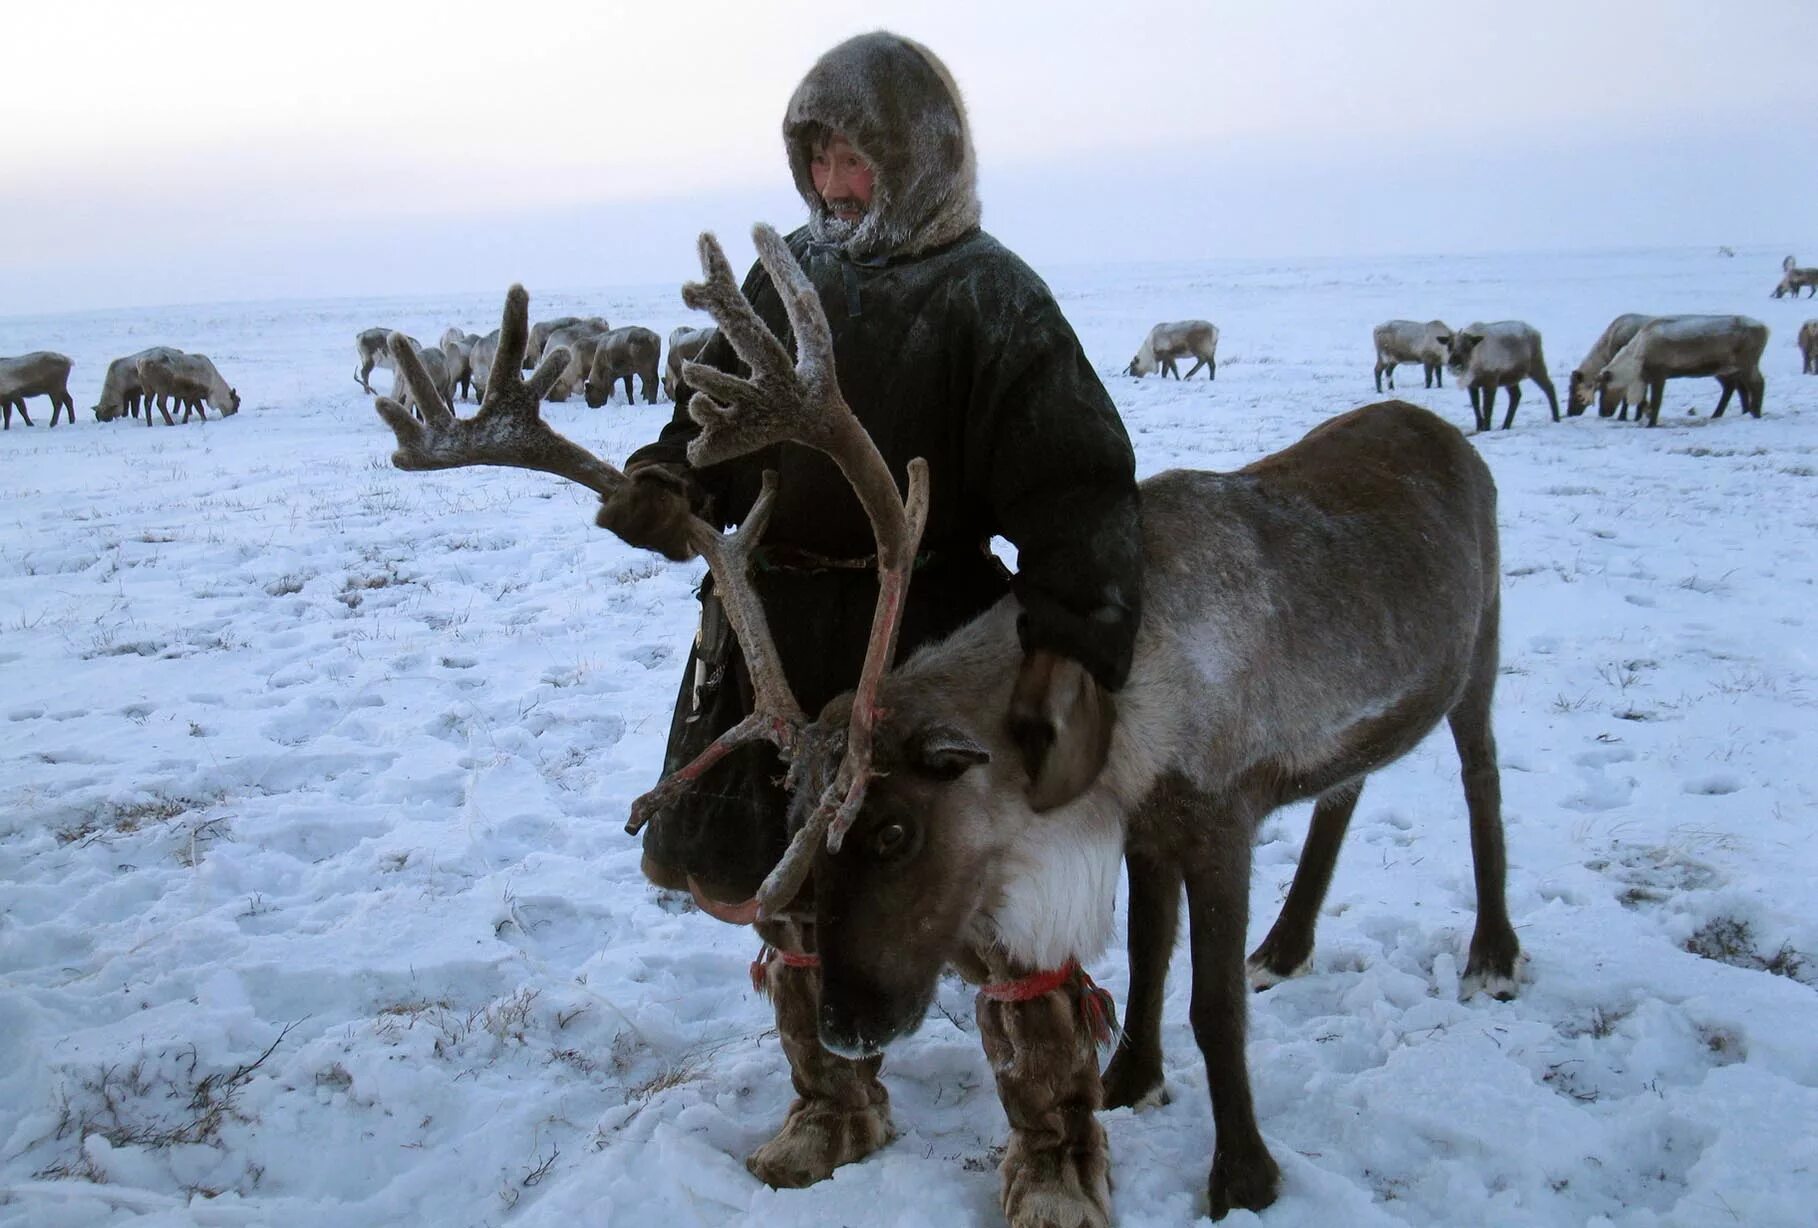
pixel 1794 279
pixel 121 390
pixel 623 353
pixel 479 361
pixel 38 374
pixel 539 334
pixel 1674 347
pixel 1399 341
pixel 191 379
pixel 457 350
pixel 1307 620
pixel 685 344
pixel 1167 342
pixel 370 351
pixel 1582 385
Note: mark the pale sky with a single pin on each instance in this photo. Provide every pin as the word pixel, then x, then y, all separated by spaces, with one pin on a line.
pixel 204 150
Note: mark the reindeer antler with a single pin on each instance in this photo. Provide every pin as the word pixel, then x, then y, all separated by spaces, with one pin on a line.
pixel 801 402
pixel 509 430
pixel 798 401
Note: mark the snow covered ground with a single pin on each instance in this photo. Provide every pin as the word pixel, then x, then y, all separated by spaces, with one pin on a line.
pixel 315 906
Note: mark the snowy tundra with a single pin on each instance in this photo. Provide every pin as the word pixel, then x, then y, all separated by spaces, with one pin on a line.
pixel 316 906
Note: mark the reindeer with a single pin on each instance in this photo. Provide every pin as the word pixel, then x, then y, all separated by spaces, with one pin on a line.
pixel 539 334
pixel 685 344
pixel 121 391
pixel 41 373
pixel 1675 347
pixel 370 351
pixel 191 378
pixel 1582 386
pixel 1399 341
pixel 1486 357
pixel 621 354
pixel 1167 342
pixel 1794 279
pixel 479 360
pixel 457 349
pixel 1308 619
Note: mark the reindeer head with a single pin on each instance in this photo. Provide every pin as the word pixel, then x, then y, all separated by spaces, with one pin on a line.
pixel 1459 346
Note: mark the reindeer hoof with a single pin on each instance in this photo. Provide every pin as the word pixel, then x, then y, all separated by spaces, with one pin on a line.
pixel 1263 970
pixel 1248 1181
pixel 1129 1084
pixel 1501 984
pixel 815 1140
pixel 1058 1187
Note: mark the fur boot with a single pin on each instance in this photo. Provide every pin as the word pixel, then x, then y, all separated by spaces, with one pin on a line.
pixel 841 1111
pixel 1056 1170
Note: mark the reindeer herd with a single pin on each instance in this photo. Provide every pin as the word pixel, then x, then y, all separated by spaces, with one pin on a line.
pixel 1627 367
pixel 599 358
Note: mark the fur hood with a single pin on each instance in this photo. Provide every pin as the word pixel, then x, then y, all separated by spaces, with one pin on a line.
pixel 898 105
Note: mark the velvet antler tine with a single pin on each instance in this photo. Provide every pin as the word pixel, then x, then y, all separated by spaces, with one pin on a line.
pixel 508 431
pixel 548 372
pixel 813 337
pixel 404 425
pixel 514 339
pixel 410 366
pixel 719 295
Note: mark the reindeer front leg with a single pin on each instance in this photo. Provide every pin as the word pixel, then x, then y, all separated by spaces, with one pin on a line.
pixel 1056 1170
pixel 841 1112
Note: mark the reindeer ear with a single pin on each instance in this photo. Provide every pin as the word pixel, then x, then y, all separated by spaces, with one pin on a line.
pixel 945 753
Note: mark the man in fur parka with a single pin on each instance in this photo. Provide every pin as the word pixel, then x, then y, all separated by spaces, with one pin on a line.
pixel 947 347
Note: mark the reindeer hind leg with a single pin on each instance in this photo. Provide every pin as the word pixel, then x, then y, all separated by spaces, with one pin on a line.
pixel 1491 966
pixel 1288 949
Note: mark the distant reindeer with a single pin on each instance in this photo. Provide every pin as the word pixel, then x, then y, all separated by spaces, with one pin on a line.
pixel 371 350
pixel 1307 620
pixel 1486 357
pixel 1399 341
pixel 580 339
pixel 457 350
pixel 1167 342
pixel 1582 385
pixel 189 379
pixel 623 353
pixel 539 334
pixel 1794 279
pixel 1808 347
pixel 435 363
pixel 1675 347
pixel 121 391
pixel 41 373
pixel 479 360
pixel 685 345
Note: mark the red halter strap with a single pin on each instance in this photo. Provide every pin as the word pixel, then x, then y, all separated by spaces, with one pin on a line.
pixel 768 954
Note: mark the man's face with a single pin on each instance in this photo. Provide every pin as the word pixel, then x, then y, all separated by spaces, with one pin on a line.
pixel 843 178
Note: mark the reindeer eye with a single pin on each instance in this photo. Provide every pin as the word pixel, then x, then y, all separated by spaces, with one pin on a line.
pixel 890 840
